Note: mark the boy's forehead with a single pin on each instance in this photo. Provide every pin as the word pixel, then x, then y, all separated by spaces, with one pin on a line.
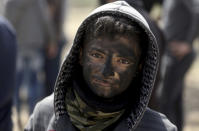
pixel 117 40
pixel 120 45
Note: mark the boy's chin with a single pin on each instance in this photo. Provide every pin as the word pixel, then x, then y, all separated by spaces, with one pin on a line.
pixel 104 94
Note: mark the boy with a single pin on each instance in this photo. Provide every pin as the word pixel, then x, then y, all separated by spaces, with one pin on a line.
pixel 107 78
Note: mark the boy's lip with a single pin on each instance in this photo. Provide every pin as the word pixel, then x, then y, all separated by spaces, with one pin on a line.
pixel 103 83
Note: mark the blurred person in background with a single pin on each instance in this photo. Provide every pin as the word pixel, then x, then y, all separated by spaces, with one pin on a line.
pixel 181 26
pixel 146 4
pixel 106 80
pixel 2 5
pixel 33 27
pixel 154 102
pixel 57 9
pixel 8 49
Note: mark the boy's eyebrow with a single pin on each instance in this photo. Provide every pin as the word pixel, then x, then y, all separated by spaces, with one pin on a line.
pixel 97 49
pixel 132 58
pixel 127 56
pixel 127 51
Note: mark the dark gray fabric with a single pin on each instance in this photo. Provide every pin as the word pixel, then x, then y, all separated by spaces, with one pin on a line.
pixel 150 117
pixel 8 72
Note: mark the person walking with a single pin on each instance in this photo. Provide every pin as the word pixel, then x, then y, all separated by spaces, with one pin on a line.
pixel 33 27
pixel 181 26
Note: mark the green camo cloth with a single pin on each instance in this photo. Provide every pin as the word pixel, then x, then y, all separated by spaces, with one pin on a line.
pixel 86 118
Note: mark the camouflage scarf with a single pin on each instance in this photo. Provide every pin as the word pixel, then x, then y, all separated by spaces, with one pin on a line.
pixel 86 118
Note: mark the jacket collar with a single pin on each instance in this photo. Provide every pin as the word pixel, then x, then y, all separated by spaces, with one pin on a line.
pixel 63 123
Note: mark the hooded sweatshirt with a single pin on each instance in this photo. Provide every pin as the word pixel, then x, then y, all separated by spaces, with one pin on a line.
pixel 52 114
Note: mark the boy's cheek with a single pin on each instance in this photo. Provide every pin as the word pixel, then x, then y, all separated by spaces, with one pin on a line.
pixel 126 72
pixel 94 65
pixel 123 69
pixel 91 68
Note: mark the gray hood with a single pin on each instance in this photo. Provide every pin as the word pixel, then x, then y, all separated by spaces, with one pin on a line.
pixel 150 66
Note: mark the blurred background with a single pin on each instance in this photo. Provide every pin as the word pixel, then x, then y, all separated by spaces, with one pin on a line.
pixel 75 13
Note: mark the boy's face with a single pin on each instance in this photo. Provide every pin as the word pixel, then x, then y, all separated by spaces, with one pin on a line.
pixel 109 65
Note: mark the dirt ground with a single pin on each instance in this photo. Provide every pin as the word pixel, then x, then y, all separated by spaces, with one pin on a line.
pixel 191 96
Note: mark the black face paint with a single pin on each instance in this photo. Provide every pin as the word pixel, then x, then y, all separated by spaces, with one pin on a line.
pixel 110 65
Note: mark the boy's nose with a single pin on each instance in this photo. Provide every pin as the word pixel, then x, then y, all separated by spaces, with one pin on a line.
pixel 107 69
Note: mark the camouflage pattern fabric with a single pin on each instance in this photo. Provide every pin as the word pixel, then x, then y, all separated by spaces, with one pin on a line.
pixel 86 118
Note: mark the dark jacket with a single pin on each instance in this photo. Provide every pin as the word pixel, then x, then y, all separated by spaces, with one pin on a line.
pixel 44 119
pixel 49 117
pixel 7 71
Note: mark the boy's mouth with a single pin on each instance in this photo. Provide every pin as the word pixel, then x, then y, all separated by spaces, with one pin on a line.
pixel 102 83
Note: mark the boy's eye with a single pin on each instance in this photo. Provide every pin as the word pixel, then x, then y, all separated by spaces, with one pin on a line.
pixel 124 61
pixel 96 55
